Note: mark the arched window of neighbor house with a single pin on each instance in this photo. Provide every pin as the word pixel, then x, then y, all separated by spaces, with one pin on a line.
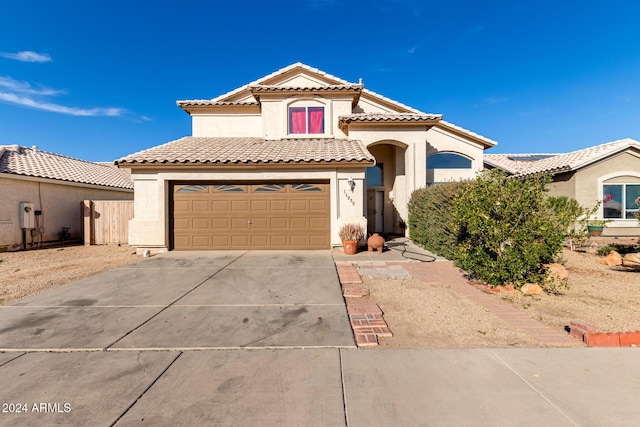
pixel 448 161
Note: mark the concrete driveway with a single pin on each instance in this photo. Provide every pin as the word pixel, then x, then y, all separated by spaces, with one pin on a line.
pixel 194 300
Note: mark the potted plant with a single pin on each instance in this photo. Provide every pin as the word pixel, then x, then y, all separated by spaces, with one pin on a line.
pixel 350 234
pixel 595 226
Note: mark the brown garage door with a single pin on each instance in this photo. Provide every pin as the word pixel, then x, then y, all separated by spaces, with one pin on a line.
pixel 251 216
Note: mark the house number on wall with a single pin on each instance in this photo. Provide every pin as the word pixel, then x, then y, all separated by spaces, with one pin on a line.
pixel 349 198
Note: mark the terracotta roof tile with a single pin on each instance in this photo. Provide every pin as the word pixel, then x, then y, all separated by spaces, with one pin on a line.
pixel 252 150
pixel 25 161
pixel 327 88
pixel 390 117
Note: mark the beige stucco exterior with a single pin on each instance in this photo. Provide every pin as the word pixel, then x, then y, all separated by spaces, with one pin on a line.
pixel 403 148
pixel 586 186
pixel 58 201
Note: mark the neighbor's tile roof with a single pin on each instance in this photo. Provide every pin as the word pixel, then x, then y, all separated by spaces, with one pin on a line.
pixel 559 163
pixel 252 150
pixel 513 163
pixel 390 117
pixel 33 162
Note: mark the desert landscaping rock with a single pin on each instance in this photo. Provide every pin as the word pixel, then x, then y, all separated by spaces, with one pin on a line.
pixel 531 289
pixel 631 261
pixel 614 258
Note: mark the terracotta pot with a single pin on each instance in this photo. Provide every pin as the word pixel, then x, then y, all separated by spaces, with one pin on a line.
pixel 595 230
pixel 349 247
pixel 376 242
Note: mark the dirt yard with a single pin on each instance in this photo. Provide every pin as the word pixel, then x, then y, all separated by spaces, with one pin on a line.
pixel 420 315
pixel 426 315
pixel 27 273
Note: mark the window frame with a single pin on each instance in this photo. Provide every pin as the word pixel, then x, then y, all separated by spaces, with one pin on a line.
pixel 306 106
pixel 623 202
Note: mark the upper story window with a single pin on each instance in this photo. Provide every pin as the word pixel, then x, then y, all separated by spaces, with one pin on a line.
pixel 448 161
pixel 306 120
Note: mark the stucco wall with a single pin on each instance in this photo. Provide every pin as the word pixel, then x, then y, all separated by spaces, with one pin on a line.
pixel 227 125
pixel 59 203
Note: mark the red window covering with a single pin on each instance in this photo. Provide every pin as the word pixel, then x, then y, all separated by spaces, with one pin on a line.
pixel 306 120
pixel 316 120
pixel 297 120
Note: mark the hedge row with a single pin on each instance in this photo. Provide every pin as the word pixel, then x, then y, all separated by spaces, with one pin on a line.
pixel 430 222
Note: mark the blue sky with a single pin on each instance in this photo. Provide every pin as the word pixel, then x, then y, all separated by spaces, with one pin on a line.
pixel 98 80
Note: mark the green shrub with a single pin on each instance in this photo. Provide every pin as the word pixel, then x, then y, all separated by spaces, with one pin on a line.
pixel 430 221
pixel 509 228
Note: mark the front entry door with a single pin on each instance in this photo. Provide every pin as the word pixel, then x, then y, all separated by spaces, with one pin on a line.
pixel 375 211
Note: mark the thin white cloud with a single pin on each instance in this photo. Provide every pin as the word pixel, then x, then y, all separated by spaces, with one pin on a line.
pixel 27 56
pixel 57 108
pixel 25 87
pixel 412 50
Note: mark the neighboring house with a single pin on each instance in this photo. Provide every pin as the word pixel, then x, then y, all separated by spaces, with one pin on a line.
pixel 283 161
pixel 608 172
pixel 51 188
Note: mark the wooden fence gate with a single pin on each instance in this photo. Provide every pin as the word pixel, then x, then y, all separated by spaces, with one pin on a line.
pixel 106 222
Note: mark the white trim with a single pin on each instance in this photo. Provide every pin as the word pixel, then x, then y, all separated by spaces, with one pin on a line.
pixel 616 222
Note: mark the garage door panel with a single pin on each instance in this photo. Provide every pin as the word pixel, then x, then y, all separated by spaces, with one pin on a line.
pixel 261 216
pixel 278 205
pixel 239 206
pixel 259 206
pixel 200 240
pixel 318 223
pixel 279 241
pixel 220 223
pixel 220 205
pixel 182 224
pixel 276 223
pixel 200 206
pixel 239 241
pixel 239 223
pixel 298 205
pixel 318 205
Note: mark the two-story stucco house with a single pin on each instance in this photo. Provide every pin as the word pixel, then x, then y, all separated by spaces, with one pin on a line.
pixel 282 162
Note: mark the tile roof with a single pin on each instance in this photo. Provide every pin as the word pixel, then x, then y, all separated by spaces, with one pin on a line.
pixel 199 102
pixel 337 81
pixel 522 165
pixel 33 162
pixel 328 88
pixel 513 163
pixel 390 117
pixel 252 150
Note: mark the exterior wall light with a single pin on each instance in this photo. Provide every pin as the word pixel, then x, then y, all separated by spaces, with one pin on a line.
pixel 351 183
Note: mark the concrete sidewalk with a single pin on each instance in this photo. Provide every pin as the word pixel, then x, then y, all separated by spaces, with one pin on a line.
pixel 323 387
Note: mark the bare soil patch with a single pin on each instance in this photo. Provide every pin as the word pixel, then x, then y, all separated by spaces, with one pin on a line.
pixel 603 296
pixel 27 273
pixel 431 315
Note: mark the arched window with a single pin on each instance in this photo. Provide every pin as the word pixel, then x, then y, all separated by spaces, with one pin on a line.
pixel 448 161
pixel 306 118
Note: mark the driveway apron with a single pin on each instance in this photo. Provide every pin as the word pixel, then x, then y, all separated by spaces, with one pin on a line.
pixel 189 300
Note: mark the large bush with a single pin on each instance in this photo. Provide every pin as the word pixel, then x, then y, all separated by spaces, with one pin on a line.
pixel 509 228
pixel 430 221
